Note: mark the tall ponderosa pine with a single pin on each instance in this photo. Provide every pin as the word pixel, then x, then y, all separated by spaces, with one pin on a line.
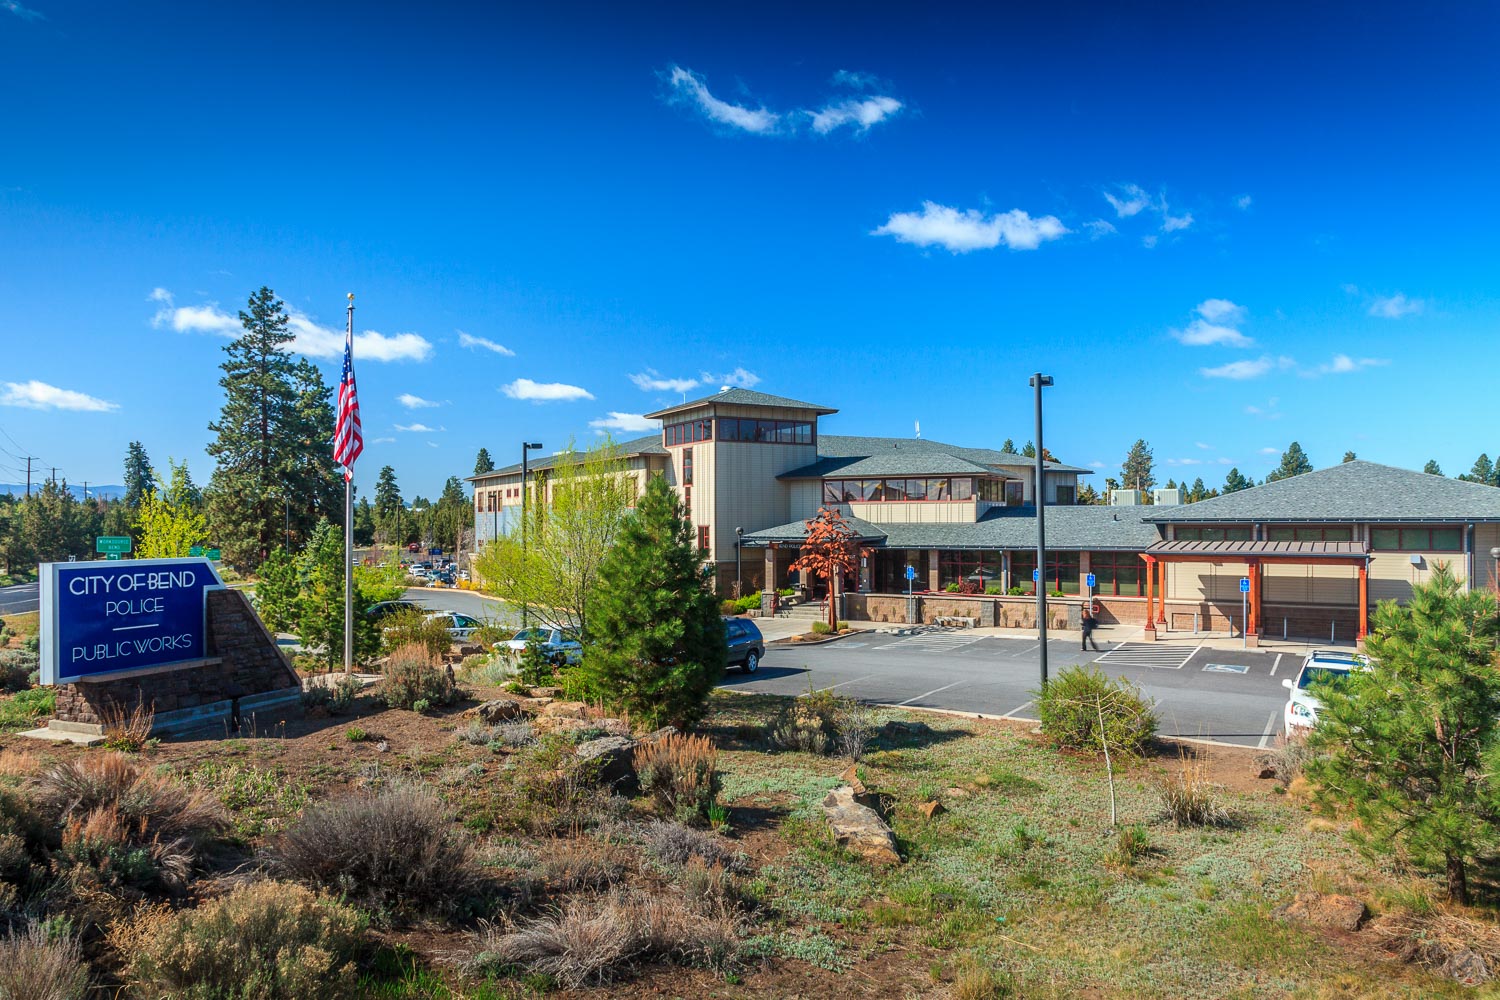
pixel 1409 745
pixel 1294 462
pixel 1432 468
pixel 138 477
pixel 52 525
pixel 1138 472
pixel 1234 482
pixel 483 463
pixel 657 647
pixel 388 504
pixel 273 440
pixel 1349 456
pixel 1483 471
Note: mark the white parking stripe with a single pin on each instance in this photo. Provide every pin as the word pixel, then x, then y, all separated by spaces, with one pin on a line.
pixel 1276 664
pixel 924 695
pixel 1019 708
pixel 1148 654
pixel 1265 737
pixel 841 684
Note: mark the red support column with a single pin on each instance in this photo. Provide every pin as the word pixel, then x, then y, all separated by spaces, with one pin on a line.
pixel 1252 627
pixel 1150 595
pixel 1364 601
pixel 1161 603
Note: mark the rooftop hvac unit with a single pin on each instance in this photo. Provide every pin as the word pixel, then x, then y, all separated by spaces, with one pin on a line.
pixel 1125 498
pixel 1166 498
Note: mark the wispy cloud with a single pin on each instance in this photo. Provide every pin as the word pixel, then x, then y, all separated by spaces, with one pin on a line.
pixel 1184 461
pixel 34 395
pixel 863 113
pixel 737 379
pixel 1268 450
pixel 690 88
pixel 544 392
pixel 1172 223
pixel 617 421
pixel 1217 323
pixel 411 402
pixel 1267 412
pixel 24 13
pixel 960 232
pixel 855 80
pixel 1096 464
pixel 1395 306
pixel 1342 364
pixel 309 338
pixel 1131 200
pixel 1205 447
pixel 468 340
pixel 1243 202
pixel 419 429
pixel 651 380
pixel 383 441
pixel 1240 370
pixel 1099 228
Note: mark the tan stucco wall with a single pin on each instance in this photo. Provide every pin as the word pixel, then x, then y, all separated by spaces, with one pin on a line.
pixel 916 512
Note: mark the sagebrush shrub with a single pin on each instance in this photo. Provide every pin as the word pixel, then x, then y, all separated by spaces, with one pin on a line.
pixel 552 790
pixel 413 627
pixel 1079 699
pixel 35 965
pixel 680 773
pixel 1287 757
pixel 16 668
pixel 413 675
pixel 394 849
pixel 675 845
pixel 263 941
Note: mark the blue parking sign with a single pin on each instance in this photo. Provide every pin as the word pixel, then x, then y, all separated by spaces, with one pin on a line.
pixel 1036 576
pixel 1088 580
pixel 1244 585
pixel 911 573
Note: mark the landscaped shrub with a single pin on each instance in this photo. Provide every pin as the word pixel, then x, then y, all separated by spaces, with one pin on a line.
pixel 1190 799
pixel 394 850
pixel 413 675
pixel 951 588
pixel 412 626
pixel 550 789
pixel 728 608
pixel 854 727
pixel 675 845
pixel 820 628
pixel 263 941
pixel 127 729
pixel 16 668
pixel 1083 709
pixel 679 772
pixel 750 602
pixel 994 590
pixel 1132 843
pixel 36 965
pixel 1287 757
pixel 1016 591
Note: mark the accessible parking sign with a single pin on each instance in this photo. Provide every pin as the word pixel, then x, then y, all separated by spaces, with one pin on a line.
pixel 105 617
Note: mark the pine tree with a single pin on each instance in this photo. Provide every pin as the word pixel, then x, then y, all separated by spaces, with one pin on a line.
pixel 1029 450
pixel 1408 745
pixel 364 523
pixel 314 482
pixel 1432 468
pixel 483 463
pixel 1009 447
pixel 52 524
pixel 1294 462
pixel 277 592
pixel 1234 482
pixel 320 601
pixel 1138 470
pixel 1198 491
pixel 138 478
pixel 1171 484
pixel 1483 471
pixel 1089 496
pixel 245 493
pixel 1349 456
pixel 388 504
pixel 657 646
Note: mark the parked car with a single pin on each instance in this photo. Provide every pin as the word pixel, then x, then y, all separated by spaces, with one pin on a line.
pixel 559 647
pixel 746 645
pixel 385 609
pixel 460 627
pixel 1325 666
pixel 463 575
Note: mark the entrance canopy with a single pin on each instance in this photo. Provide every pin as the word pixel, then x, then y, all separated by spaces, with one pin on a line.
pixel 1254 554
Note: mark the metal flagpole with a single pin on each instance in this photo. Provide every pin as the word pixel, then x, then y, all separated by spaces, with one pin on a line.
pixel 349 539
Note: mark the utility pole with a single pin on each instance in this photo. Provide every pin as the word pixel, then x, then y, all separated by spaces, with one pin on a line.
pixel 29 460
pixel 527 447
pixel 1039 381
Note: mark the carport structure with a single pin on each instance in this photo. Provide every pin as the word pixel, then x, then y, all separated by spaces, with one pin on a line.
pixel 1255 554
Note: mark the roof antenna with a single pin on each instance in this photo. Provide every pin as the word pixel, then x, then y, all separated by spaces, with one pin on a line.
pixel 919 430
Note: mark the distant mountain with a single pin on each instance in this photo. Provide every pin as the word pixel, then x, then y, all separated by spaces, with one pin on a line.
pixel 104 491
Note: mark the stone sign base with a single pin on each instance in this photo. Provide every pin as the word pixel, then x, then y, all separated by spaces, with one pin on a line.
pixel 245 677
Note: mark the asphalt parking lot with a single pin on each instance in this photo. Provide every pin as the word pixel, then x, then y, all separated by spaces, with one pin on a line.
pixel 1202 692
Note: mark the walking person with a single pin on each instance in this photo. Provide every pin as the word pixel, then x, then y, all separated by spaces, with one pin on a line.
pixel 1089 623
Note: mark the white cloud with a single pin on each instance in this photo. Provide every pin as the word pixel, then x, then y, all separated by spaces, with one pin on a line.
pixel 383 441
pixel 1342 364
pixel 34 395
pixel 1217 323
pixel 1172 223
pixel 411 402
pixel 24 13
pixel 1395 306
pixel 466 340
pixel 1270 451
pixel 960 232
pixel 1205 447
pixel 855 80
pixel 1149 241
pixel 309 338
pixel 1184 461
pixel 863 114
pixel 617 421
pixel 433 444
pixel 1243 202
pixel 1132 200
pixel 737 379
pixel 544 392
pixel 689 86
pixel 1220 310
pixel 419 429
pixel 1099 228
pixel 651 381
pixel 1247 369
pixel 1221 460
pixel 1098 465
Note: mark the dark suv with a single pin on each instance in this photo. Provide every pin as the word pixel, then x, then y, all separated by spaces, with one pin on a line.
pixel 746 646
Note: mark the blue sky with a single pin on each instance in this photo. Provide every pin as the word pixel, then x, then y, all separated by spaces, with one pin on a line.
pixel 1219 227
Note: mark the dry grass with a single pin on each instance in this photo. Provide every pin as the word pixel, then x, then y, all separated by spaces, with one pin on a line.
pixel 1286 757
pixel 592 942
pixel 127 730
pixel 395 850
pixel 35 966
pixel 1189 798
pixel 1446 942
pixel 413 677
pixel 677 845
pixel 680 773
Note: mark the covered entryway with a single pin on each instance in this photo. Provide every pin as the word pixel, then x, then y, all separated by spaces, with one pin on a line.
pixel 1255 556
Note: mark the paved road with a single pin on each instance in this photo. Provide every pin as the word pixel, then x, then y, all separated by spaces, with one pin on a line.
pixel 21 598
pixel 1227 695
pixel 465 602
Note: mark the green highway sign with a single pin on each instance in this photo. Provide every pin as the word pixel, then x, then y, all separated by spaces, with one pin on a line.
pixel 214 555
pixel 196 550
pixel 113 555
pixel 112 544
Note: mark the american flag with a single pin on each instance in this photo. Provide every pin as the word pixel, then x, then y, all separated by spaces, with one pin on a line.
pixel 348 439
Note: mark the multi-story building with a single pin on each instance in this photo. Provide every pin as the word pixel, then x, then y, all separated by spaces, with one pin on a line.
pixel 751 468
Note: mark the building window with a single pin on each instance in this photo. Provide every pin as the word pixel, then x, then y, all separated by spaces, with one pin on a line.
pixel 901 490
pixel 702 538
pixel 1067 496
pixel 765 431
pixel 687 467
pixel 1062 571
pixel 687 499
pixel 1309 533
pixel 963 488
pixel 687 433
pixel 978 569
pixel 1417 539
pixel 991 490
pixel 1229 533
pixel 1015 493
pixel 1118 574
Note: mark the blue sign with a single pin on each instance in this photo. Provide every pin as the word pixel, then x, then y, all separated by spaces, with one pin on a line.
pixel 1036 576
pixel 1088 580
pixel 102 618
pixel 911 573
pixel 1244 585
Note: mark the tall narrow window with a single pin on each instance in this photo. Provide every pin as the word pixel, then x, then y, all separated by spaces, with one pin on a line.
pixel 703 538
pixel 687 467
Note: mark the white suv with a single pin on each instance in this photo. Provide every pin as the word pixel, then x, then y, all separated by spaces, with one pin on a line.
pixel 1325 665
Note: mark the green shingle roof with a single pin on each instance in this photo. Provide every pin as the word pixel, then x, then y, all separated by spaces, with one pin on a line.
pixel 1351 491
pixel 742 397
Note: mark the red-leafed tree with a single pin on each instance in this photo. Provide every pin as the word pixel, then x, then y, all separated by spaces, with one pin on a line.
pixel 830 550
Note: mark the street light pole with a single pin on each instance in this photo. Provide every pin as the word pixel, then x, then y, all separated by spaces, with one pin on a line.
pixel 527 447
pixel 1039 382
pixel 1495 555
pixel 739 585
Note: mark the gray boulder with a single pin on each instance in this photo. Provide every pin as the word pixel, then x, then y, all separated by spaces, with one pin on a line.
pixel 614 757
pixel 859 828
